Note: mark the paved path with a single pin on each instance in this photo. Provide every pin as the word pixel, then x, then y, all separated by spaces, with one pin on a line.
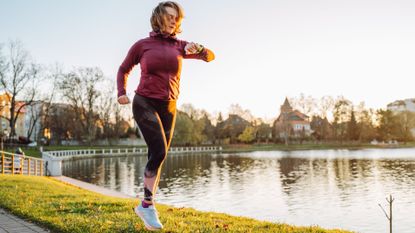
pixel 91 187
pixel 12 224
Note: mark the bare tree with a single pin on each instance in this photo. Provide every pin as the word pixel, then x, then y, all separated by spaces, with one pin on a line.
pixel 365 118
pixel 18 77
pixel 191 111
pixel 79 88
pixel 119 120
pixel 62 123
pixel 306 105
pixel 55 74
pixel 3 68
pixel 236 109
pixel 325 105
pixel 342 115
pixel 105 108
pixel 39 111
pixel 33 113
pixel 111 114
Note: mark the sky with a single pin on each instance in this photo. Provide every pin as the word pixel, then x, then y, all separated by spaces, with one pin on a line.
pixel 265 50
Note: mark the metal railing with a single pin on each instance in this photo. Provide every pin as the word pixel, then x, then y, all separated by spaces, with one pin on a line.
pixel 17 164
pixel 54 158
pixel 66 154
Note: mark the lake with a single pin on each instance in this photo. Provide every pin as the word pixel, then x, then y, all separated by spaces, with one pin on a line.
pixel 329 188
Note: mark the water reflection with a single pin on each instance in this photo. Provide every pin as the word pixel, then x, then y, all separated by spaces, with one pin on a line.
pixel 333 189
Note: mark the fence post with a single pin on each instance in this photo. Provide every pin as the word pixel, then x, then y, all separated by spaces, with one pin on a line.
pixel 21 159
pixel 35 162
pixel 28 167
pixel 2 162
pixel 12 164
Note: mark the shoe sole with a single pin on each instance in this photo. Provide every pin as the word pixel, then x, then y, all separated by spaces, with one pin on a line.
pixel 148 227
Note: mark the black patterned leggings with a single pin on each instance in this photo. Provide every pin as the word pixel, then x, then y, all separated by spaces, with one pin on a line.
pixel 156 119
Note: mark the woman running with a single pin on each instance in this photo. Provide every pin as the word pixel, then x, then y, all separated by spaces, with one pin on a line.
pixel 154 105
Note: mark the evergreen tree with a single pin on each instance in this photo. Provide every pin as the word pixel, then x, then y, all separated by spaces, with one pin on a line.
pixel 388 125
pixel 352 129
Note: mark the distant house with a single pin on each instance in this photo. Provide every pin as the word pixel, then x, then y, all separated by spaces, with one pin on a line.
pixel 232 127
pixel 5 99
pixel 4 112
pixel 321 128
pixel 403 106
pixel 291 123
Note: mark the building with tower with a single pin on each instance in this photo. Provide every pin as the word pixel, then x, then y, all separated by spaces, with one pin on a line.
pixel 291 123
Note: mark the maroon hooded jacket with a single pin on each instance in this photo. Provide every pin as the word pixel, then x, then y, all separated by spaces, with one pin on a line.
pixel 160 57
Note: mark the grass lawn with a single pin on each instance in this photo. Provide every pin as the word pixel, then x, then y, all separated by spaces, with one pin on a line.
pixel 33 151
pixel 62 207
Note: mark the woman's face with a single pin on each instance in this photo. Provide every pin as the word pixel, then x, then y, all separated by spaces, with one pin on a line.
pixel 172 20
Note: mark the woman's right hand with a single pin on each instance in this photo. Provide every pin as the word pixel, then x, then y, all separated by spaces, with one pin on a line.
pixel 123 99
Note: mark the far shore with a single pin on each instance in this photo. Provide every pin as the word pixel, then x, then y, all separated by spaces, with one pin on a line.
pixel 35 152
pixel 311 146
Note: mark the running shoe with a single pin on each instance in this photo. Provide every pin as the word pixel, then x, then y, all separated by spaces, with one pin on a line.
pixel 149 216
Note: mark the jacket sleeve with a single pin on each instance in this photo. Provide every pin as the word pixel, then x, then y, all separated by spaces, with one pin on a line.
pixel 206 54
pixel 132 59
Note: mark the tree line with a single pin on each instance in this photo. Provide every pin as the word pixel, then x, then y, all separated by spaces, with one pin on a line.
pixel 81 104
pixel 350 122
pixel 332 120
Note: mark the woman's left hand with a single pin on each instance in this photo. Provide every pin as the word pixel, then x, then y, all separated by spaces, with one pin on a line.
pixel 193 48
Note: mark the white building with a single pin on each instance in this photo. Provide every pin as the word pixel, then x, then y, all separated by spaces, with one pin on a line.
pixel 402 106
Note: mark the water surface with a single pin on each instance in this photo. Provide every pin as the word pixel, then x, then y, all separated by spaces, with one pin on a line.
pixel 329 188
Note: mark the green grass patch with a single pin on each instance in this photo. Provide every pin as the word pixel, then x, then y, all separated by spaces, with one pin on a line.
pixel 32 151
pixel 61 207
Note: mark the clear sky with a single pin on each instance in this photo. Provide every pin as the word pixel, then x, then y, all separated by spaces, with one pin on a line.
pixel 265 49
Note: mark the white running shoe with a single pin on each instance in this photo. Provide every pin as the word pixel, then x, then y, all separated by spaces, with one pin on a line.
pixel 149 216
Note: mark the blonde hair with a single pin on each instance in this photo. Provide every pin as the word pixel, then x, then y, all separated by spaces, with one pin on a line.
pixel 158 21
